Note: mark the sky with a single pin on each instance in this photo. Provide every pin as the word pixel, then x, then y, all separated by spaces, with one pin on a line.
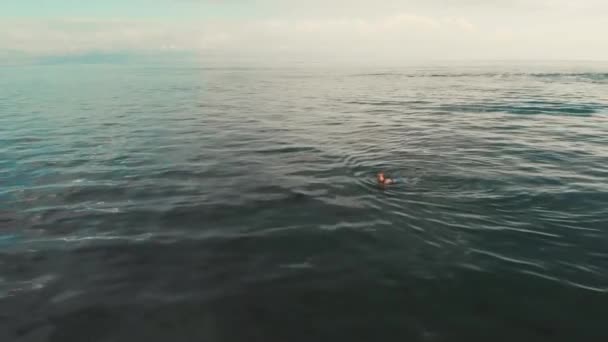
pixel 338 31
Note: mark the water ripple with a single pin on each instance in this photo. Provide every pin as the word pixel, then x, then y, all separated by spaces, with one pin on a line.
pixel 202 185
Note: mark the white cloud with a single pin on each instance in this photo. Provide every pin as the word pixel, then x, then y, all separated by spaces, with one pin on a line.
pixel 73 35
pixel 311 32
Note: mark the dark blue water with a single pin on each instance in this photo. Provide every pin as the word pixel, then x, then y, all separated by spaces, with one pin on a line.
pixel 180 203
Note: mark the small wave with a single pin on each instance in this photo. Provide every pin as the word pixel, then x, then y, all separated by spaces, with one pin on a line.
pixel 583 76
pixel 301 265
pixel 508 259
pixel 565 281
pixel 388 102
pixel 287 150
pixel 551 108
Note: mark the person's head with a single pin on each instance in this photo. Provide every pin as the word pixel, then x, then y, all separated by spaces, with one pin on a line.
pixel 381 177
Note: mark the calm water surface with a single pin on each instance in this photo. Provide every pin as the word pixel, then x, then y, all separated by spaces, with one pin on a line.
pixel 173 203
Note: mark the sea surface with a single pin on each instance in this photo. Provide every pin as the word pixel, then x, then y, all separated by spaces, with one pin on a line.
pixel 185 203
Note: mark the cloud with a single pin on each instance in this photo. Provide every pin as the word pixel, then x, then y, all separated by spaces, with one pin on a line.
pixel 77 35
pixel 329 35
pixel 82 35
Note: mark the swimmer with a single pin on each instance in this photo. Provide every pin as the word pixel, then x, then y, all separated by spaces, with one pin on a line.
pixel 383 180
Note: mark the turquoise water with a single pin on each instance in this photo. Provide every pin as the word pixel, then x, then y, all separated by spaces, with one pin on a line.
pixel 164 202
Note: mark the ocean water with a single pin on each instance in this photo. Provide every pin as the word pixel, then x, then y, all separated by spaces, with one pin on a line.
pixel 183 203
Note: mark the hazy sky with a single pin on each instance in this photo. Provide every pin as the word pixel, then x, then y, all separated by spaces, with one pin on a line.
pixel 312 30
